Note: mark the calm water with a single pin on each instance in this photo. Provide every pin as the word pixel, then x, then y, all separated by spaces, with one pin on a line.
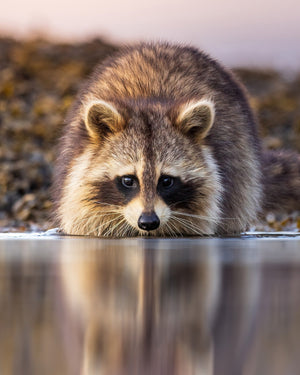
pixel 149 306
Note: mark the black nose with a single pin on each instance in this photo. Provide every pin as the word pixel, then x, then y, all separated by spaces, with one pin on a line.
pixel 148 221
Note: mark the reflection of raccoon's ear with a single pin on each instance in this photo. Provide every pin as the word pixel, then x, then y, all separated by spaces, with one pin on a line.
pixel 102 118
pixel 196 118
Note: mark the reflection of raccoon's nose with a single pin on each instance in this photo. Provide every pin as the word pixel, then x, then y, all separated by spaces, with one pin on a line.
pixel 148 221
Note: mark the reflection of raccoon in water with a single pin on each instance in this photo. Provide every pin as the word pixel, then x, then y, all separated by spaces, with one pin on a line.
pixel 162 140
pixel 140 310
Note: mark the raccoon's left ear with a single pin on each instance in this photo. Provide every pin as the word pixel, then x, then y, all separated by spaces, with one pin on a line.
pixel 102 119
pixel 196 118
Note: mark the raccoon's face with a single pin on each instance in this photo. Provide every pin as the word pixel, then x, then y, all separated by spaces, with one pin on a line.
pixel 146 170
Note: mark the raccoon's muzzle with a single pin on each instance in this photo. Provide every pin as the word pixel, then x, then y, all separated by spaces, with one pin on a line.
pixel 148 221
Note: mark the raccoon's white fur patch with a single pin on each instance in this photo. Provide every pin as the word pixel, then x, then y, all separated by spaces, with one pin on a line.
pixel 72 205
pixel 132 211
pixel 162 211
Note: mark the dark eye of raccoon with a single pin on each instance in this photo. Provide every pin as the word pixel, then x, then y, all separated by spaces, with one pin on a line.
pixel 176 193
pixel 129 182
pixel 165 182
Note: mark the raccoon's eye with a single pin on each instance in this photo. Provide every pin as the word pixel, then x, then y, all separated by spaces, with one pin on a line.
pixel 129 182
pixel 166 182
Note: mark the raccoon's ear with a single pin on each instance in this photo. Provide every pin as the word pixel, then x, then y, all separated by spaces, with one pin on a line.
pixel 102 118
pixel 196 118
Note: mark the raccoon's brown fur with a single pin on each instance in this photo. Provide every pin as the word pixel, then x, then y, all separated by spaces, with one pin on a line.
pixel 161 140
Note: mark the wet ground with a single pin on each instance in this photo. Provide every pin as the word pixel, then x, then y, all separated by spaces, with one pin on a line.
pixel 73 305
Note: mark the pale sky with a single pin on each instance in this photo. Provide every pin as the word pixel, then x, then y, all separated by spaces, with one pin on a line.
pixel 252 32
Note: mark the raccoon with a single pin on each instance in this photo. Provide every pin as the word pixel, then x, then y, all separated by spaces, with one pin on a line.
pixel 161 141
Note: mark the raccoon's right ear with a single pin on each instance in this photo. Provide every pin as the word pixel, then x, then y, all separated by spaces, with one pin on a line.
pixel 195 118
pixel 102 118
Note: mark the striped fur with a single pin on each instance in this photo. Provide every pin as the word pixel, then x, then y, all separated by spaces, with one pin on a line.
pixel 153 110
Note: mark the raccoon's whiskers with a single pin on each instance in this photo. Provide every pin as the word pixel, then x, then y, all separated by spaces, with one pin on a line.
pixel 108 204
pixel 97 215
pixel 116 228
pixel 187 225
pixel 208 218
pixel 103 223
pixel 105 228
pixel 111 230
pixel 121 229
pixel 186 229
pixel 199 217
pixel 166 230
pixel 172 232
pixel 171 229
pixel 126 230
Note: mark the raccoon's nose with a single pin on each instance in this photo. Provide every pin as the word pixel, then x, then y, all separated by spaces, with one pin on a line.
pixel 148 221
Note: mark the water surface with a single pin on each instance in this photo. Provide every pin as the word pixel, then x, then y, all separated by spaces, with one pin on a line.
pixel 149 306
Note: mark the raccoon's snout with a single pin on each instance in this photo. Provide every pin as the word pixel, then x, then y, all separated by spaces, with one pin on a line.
pixel 148 221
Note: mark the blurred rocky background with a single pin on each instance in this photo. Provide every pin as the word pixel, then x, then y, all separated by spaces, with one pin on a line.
pixel 38 81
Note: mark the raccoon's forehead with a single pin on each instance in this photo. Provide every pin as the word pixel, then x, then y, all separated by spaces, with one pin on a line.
pixel 160 151
pixel 152 143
